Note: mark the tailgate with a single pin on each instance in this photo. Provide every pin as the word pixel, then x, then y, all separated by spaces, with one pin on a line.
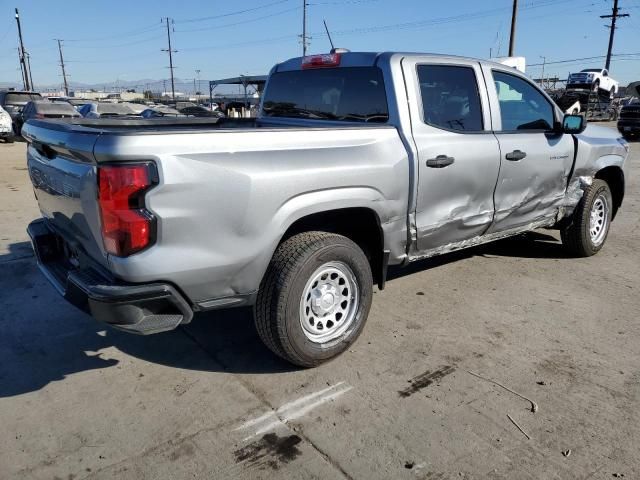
pixel 62 169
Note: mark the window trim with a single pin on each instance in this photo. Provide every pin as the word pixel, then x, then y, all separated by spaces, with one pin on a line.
pixel 535 87
pixel 421 102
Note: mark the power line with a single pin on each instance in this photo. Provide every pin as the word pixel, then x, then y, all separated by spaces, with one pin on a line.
pixel 583 59
pixel 215 27
pixel 128 33
pixel 615 14
pixel 392 27
pixel 230 14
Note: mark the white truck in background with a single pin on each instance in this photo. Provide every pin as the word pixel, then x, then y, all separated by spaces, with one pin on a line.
pixel 596 79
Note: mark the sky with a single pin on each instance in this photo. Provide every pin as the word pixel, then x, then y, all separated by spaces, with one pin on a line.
pixel 105 42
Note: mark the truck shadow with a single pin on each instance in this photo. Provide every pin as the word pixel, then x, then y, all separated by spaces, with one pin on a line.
pixel 43 339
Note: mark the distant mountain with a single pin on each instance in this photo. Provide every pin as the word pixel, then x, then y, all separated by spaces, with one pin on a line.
pixel 153 84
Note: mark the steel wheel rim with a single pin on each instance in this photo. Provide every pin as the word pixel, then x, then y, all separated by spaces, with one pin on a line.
pixel 329 302
pixel 599 219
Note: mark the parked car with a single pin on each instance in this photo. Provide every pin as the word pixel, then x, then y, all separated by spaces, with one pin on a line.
pixel 137 108
pixel 629 121
pixel 14 101
pixel 105 109
pixel 161 111
pixel 78 103
pixel 357 161
pixel 6 126
pixel 45 109
pixel 596 79
pixel 197 111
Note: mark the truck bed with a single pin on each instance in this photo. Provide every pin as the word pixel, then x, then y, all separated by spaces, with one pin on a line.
pixel 143 125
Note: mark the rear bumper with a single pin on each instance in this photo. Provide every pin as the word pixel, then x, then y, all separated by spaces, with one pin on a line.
pixel 143 309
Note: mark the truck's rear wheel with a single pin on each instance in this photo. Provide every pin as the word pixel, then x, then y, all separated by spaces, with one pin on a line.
pixel 589 227
pixel 315 298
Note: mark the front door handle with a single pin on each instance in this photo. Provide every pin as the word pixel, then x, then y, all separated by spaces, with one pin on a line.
pixel 516 155
pixel 440 161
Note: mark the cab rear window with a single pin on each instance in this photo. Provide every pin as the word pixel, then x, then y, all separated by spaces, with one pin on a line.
pixel 349 94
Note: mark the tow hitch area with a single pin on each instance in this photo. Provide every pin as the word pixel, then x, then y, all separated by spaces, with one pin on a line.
pixel 142 309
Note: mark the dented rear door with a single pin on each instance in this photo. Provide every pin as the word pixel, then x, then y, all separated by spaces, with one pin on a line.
pixel 458 154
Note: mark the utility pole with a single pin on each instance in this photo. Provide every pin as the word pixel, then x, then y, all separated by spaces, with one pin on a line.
pixel 21 68
pixel 304 28
pixel 29 70
pixel 614 16
pixel 23 62
pixel 544 61
pixel 199 90
pixel 64 73
pixel 512 38
pixel 171 52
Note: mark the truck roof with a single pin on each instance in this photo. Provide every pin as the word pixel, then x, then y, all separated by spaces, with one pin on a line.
pixel 363 59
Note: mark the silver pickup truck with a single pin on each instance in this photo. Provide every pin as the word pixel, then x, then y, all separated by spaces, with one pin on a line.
pixel 357 161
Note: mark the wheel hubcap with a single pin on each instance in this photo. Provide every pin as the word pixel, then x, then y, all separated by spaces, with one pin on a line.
pixel 329 302
pixel 598 222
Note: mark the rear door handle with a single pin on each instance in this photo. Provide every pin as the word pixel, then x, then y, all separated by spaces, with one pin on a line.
pixel 515 155
pixel 440 161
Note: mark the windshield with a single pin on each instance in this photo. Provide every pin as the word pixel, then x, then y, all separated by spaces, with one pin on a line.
pixel 114 109
pixel 55 108
pixel 21 98
pixel 353 94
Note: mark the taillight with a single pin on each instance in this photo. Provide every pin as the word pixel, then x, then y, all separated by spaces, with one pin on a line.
pixel 127 226
pixel 325 60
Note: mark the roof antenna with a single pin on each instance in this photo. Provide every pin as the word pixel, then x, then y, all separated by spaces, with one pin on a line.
pixel 328 34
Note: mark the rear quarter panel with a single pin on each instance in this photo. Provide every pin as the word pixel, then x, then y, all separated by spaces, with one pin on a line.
pixel 225 199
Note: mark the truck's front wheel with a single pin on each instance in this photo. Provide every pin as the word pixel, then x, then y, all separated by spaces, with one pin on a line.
pixel 589 226
pixel 315 298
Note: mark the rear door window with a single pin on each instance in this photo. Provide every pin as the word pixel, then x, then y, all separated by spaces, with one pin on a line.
pixel 450 97
pixel 351 94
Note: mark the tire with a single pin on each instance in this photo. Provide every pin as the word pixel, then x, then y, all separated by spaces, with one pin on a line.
pixel 8 139
pixel 294 326
pixel 584 237
pixel 596 86
pixel 612 93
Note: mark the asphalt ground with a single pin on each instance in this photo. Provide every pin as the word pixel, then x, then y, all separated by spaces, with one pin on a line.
pixel 414 398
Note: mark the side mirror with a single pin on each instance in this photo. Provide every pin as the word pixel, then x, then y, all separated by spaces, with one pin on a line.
pixel 572 124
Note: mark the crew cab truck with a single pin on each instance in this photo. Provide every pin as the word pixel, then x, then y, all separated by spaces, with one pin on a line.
pixel 356 162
